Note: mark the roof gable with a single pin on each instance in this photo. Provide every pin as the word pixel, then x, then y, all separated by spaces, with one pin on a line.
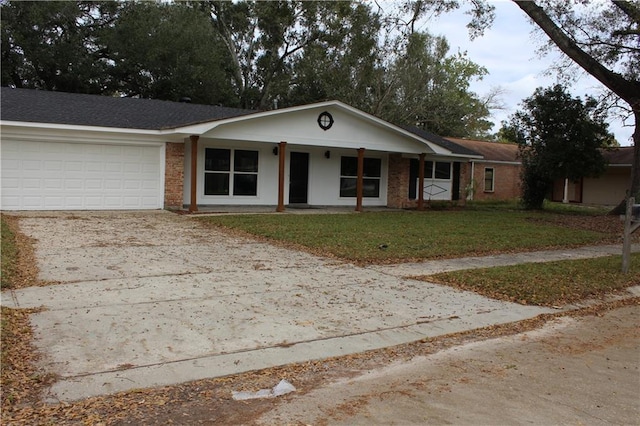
pixel 350 128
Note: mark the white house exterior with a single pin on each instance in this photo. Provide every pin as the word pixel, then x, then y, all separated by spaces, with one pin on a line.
pixel 62 151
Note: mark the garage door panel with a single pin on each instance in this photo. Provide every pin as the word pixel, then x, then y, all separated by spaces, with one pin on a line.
pixel 31 165
pixel 61 176
pixel 53 203
pixel 51 184
pixel 73 166
pixel 93 184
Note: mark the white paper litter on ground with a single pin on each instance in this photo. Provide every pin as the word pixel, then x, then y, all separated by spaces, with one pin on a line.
pixel 281 388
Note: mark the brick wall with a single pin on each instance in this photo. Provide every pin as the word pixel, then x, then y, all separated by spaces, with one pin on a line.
pixel 174 175
pixel 398 187
pixel 465 180
pixel 399 173
pixel 506 181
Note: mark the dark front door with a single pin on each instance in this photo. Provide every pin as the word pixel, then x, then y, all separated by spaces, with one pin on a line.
pixel 298 178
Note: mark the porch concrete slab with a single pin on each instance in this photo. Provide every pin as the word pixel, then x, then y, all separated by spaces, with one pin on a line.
pixel 188 302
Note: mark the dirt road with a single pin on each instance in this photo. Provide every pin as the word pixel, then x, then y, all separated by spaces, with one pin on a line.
pixel 572 371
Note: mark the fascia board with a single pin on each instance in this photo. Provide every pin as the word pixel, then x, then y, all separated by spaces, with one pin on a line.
pixel 64 133
pixel 512 163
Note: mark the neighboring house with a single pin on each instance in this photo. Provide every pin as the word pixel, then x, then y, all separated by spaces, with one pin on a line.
pixel 63 151
pixel 608 189
pixel 494 176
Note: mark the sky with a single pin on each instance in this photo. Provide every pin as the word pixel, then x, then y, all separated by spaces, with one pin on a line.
pixel 508 51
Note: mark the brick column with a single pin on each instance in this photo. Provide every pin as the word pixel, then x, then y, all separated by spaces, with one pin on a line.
pixel 173 175
pixel 398 182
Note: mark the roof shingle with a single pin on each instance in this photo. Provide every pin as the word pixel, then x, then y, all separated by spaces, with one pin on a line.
pixel 39 106
pixel 621 156
pixel 491 151
pixel 439 140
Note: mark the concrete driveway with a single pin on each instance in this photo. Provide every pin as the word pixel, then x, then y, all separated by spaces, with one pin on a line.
pixel 152 298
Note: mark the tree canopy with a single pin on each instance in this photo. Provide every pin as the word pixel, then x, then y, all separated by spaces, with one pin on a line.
pixel 56 45
pixel 559 137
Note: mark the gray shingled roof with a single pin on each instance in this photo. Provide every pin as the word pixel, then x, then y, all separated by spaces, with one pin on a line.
pixel 39 106
pixel 439 140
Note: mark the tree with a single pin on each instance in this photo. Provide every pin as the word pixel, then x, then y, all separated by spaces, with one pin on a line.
pixel 430 88
pixel 559 137
pixel 265 40
pixel 55 45
pixel 344 64
pixel 602 38
pixel 168 51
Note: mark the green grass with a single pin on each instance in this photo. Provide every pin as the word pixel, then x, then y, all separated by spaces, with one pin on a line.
pixel 549 284
pixel 411 236
pixel 548 207
pixel 9 255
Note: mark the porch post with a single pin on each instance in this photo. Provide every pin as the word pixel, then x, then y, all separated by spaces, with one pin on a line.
pixel 193 206
pixel 421 182
pixel 282 147
pixel 360 180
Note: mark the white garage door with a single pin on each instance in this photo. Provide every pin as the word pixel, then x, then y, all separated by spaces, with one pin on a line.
pixel 74 176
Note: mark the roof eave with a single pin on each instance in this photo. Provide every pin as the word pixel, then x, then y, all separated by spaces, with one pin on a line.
pixel 158 135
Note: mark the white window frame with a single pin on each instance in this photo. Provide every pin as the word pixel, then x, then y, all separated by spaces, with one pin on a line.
pixel 365 178
pixel 493 179
pixel 231 172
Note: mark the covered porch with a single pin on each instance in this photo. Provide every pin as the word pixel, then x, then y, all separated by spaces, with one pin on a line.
pixel 326 154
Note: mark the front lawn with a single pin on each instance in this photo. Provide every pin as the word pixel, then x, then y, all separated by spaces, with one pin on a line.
pixel 20 379
pixel 550 283
pixel 389 237
pixel 8 254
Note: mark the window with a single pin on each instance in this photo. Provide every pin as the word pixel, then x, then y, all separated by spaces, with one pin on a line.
pixel 443 170
pixel 432 170
pixel 221 174
pixel 488 179
pixel 441 179
pixel 372 172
